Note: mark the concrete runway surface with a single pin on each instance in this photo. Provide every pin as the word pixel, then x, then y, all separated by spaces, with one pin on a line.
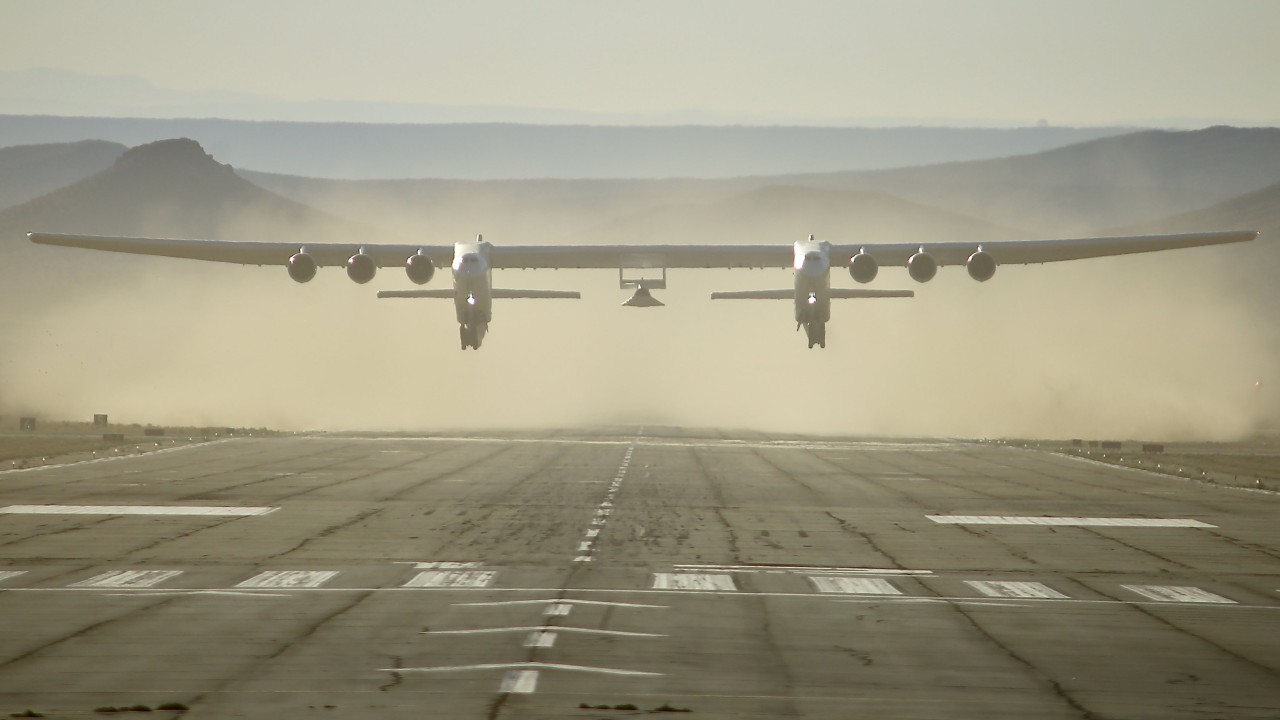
pixel 615 573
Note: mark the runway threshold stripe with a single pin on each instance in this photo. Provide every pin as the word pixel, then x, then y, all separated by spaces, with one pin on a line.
pixel 289 579
pixel 693 581
pixel 1178 593
pixel 455 578
pixel 1068 521
pixel 128 579
pixel 854 586
pixel 519 681
pixel 1000 589
pixel 135 510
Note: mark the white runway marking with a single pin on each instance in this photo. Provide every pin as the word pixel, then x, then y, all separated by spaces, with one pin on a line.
pixel 540 638
pixel 128 579
pixel 519 681
pixel 540 628
pixel 452 578
pixel 994 588
pixel 134 510
pixel 523 666
pixel 694 581
pixel 289 579
pixel 1178 593
pixel 854 586
pixel 557 610
pixel 10 574
pixel 806 569
pixel 562 602
pixel 1068 521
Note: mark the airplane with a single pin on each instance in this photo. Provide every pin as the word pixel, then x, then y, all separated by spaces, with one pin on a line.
pixel 472 264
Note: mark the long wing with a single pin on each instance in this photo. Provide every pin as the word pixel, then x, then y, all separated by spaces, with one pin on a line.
pixel 247 252
pixel 790 294
pixel 1026 252
pixel 1005 252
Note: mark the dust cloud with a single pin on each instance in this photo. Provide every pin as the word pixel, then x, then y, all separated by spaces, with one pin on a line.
pixel 1156 347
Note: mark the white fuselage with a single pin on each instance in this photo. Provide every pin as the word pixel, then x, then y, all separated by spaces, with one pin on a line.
pixel 813 280
pixel 472 282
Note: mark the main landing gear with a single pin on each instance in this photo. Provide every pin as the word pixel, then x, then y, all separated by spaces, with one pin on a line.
pixel 471 335
pixel 817 333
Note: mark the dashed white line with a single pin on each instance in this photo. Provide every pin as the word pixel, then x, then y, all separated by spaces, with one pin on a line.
pixel 854 586
pixel 134 510
pixel 540 638
pixel 289 579
pixel 557 609
pixel 1001 589
pixel 1068 521
pixel 128 578
pixel 519 681
pixel 1178 593
pixel 522 666
pixel 452 578
pixel 10 574
pixel 694 581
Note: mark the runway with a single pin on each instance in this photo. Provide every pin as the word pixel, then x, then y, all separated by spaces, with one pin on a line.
pixel 634 571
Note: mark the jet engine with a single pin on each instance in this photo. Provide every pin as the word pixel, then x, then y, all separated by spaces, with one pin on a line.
pixel 419 269
pixel 302 267
pixel 863 267
pixel 361 268
pixel 981 265
pixel 922 266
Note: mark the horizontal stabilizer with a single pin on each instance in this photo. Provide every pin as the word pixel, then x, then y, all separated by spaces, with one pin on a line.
pixel 845 294
pixel 517 294
pixel 836 294
pixel 496 293
pixel 442 294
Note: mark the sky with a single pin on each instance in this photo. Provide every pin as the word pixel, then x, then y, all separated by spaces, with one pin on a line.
pixel 1171 63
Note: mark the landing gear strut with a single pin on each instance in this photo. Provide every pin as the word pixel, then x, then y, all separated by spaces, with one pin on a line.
pixel 817 332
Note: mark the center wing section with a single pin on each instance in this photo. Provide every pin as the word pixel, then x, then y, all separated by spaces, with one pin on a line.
pixel 641 256
pixel 790 294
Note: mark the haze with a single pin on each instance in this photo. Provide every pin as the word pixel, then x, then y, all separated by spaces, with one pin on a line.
pixel 982 62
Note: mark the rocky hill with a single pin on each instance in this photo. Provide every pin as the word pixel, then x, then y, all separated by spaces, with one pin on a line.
pixel 29 171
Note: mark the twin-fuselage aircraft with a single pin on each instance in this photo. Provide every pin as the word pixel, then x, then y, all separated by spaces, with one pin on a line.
pixel 811 260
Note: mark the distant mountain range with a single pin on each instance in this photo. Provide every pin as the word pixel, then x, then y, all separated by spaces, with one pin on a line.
pixel 1037 357
pixel 511 151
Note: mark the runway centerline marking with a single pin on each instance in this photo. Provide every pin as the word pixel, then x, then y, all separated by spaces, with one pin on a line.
pixel 1178 593
pixel 452 579
pixel 135 510
pixel 519 681
pixel 1003 589
pixel 127 579
pixel 523 666
pixel 854 586
pixel 538 628
pixel 694 581
pixel 1068 521
pixel 289 579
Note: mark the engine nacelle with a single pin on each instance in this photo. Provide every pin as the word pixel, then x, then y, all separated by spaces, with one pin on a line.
pixel 302 267
pixel 863 268
pixel 981 266
pixel 419 269
pixel 361 268
pixel 922 266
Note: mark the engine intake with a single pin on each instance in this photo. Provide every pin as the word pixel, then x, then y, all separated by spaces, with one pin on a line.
pixel 419 269
pixel 302 267
pixel 981 266
pixel 922 266
pixel 361 268
pixel 863 268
